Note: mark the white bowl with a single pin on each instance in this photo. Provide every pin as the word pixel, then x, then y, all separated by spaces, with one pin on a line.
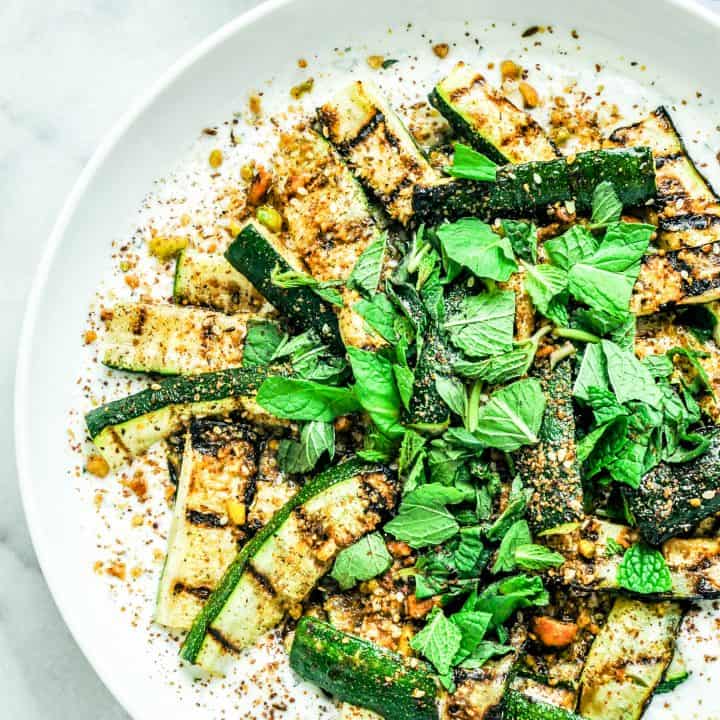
pixel 677 40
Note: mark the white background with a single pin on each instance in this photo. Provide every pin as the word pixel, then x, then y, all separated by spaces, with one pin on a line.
pixel 68 68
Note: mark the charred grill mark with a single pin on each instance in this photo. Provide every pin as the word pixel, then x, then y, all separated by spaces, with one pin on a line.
pixel 222 640
pixel 392 196
pixel 117 439
pixel 203 519
pixel 662 160
pixel 210 435
pixel 689 221
pixel 140 320
pixel 261 580
pixel 365 131
pixel 201 591
pixel 460 92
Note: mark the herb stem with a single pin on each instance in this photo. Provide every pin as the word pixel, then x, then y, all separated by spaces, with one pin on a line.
pixel 575 334
pixel 473 405
pixel 561 353
pixel 415 260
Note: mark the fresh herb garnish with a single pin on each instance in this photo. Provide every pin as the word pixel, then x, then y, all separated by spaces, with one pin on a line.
pixel 523 239
pixel 439 641
pixel 261 342
pixel 327 289
pixel 473 244
pixel 363 560
pixel 296 399
pixel 644 570
pixel 606 205
pixel 365 276
pixel 471 165
pixel 316 438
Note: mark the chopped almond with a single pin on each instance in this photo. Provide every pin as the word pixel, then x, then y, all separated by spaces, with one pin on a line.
pixel 418 608
pixel 117 569
pixel 510 70
pixel 554 633
pixel 375 61
pixel 90 337
pixel 529 95
pixel 441 50
pixel 399 549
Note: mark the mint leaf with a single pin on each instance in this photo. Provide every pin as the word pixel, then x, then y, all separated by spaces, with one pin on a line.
pixel 473 244
pixel 376 390
pixel 484 652
pixel 484 325
pixel 295 399
pixel 593 372
pixel 512 417
pixel 439 641
pixel 423 518
pixel 503 598
pixel 316 438
pixel 571 247
pixel 411 448
pixel 500 368
pixel 261 342
pixel 452 391
pixel 537 557
pixel 473 625
pixel 363 560
pixel 522 237
pixel 605 279
pixel 629 378
pixel 544 283
pixel 293 279
pixel 606 205
pixel 405 380
pixel 380 315
pixel 365 276
pixel 471 165
pixel 644 570
pixel 516 536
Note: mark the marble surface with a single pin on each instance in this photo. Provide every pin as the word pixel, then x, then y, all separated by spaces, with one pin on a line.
pixel 67 69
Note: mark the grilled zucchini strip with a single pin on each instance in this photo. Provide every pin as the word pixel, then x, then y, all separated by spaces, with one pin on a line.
pixel 694 563
pixel 675 278
pixel 688 209
pixel 362 673
pixel 127 427
pixel 485 119
pixel 215 486
pixel 367 132
pixel 551 467
pixel 528 188
pixel 173 340
pixel 672 499
pixel 628 659
pixel 277 569
pixel 479 694
pixel 517 706
pixel 211 281
pixel 255 252
pixel 328 217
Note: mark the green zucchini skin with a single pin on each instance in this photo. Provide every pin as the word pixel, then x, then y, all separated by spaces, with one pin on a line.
pixel 517 706
pixel 487 120
pixel 628 659
pixel 207 640
pixel 672 499
pixel 127 427
pixel 362 673
pixel 254 253
pixel 551 467
pixel 527 188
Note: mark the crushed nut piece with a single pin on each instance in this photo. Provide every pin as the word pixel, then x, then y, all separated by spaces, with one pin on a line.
pixel 97 466
pixel 441 50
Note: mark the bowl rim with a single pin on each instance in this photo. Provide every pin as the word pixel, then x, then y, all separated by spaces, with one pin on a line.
pixel 41 274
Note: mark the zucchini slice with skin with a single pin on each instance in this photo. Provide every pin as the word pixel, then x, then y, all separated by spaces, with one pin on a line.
pixel 628 659
pixel 551 467
pixel 127 427
pixel 367 132
pixel 215 487
pixel 209 280
pixel 328 217
pixel 277 569
pixel 485 119
pixel 694 563
pixel 528 188
pixel 517 706
pixel 673 498
pixel 676 278
pixel 255 252
pixel 687 207
pixel 172 340
pixel 362 673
